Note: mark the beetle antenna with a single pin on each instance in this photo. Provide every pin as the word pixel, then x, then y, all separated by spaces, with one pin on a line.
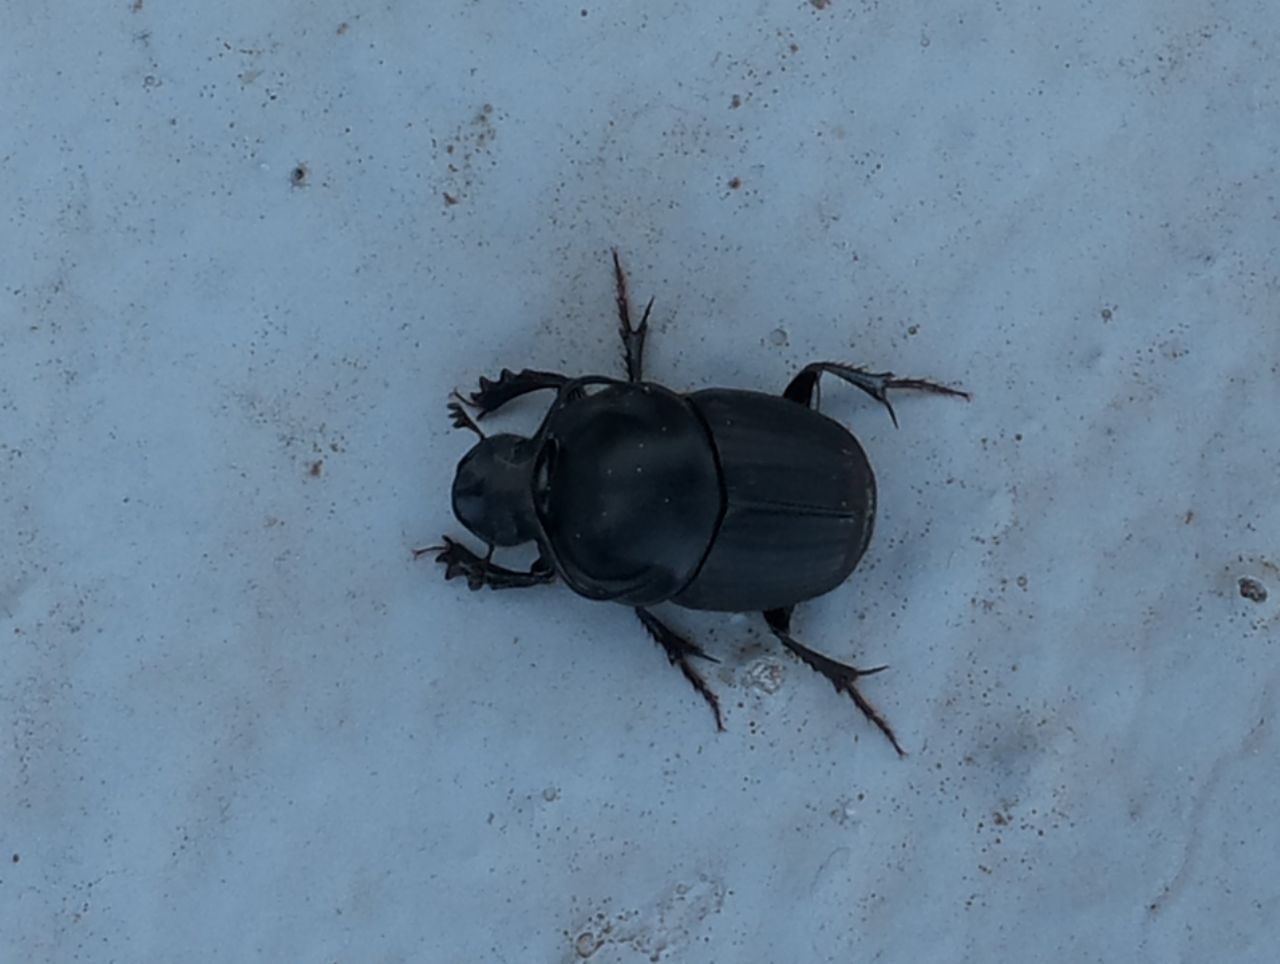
pixel 461 417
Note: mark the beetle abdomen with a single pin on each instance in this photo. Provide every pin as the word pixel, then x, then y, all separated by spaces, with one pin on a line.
pixel 799 504
pixel 630 494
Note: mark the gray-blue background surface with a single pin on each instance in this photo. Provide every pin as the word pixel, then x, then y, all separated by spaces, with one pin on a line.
pixel 241 724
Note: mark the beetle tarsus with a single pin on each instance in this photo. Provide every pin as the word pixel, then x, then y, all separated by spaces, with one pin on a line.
pixel 461 417
pixel 493 395
pixel 876 384
pixel 843 677
pixel 632 338
pixel 461 561
pixel 678 650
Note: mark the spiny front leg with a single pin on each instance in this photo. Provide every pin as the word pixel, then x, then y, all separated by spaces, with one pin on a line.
pixel 678 651
pixel 876 384
pixel 461 561
pixel 632 338
pixel 493 395
pixel 843 677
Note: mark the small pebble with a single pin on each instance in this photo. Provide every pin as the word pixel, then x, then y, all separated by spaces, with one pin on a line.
pixel 1253 590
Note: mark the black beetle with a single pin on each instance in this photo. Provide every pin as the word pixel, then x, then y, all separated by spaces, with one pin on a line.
pixel 721 499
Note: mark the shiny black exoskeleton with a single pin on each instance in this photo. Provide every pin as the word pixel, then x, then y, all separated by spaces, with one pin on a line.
pixel 720 499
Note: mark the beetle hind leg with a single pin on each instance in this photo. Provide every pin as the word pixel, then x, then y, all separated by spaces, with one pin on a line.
pixel 803 388
pixel 632 338
pixel 678 650
pixel 843 677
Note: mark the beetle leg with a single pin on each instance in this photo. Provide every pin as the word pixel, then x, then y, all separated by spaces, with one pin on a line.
pixel 875 384
pixel 493 395
pixel 460 416
pixel 632 338
pixel 461 561
pixel 843 678
pixel 678 651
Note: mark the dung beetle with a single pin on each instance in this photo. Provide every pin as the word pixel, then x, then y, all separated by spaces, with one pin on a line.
pixel 720 499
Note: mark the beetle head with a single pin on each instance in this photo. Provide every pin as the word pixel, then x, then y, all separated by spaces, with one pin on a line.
pixel 493 490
